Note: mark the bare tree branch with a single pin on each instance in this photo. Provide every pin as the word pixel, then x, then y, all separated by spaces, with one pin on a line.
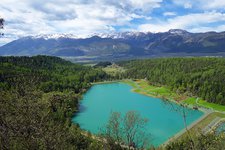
pixel 1 25
pixel 127 130
pixel 183 112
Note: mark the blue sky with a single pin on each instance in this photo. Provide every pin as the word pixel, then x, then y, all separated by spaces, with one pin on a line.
pixel 86 17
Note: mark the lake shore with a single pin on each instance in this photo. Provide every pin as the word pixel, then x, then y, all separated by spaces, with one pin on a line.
pixel 142 87
pixel 183 131
pixel 106 82
pixel 122 99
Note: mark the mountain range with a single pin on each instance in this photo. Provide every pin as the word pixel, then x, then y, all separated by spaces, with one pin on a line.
pixel 175 42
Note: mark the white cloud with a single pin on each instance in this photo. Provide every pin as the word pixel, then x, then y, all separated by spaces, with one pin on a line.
pixel 187 5
pixel 169 14
pixel 201 4
pixel 26 17
pixel 213 4
pixel 144 4
pixel 4 40
pixel 219 28
pixel 191 22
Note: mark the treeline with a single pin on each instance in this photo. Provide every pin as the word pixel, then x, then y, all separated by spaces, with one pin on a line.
pixel 50 73
pixel 202 77
pixel 38 98
pixel 210 141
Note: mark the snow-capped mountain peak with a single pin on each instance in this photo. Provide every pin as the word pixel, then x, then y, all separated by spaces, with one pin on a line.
pixel 55 36
pixel 112 35
pixel 119 35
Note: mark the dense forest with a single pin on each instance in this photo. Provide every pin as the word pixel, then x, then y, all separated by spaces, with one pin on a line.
pixel 210 141
pixel 202 77
pixel 40 94
pixel 38 97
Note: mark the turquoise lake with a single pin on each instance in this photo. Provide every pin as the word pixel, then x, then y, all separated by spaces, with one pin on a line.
pixel 101 99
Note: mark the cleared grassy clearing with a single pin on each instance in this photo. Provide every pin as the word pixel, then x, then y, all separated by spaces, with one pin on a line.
pixel 190 100
pixel 211 105
pixel 202 103
pixel 143 87
pixel 113 69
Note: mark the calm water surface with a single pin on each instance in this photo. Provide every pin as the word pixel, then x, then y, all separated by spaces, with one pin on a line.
pixel 102 99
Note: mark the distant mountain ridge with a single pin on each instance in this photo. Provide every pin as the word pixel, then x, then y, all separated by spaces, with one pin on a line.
pixel 175 42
